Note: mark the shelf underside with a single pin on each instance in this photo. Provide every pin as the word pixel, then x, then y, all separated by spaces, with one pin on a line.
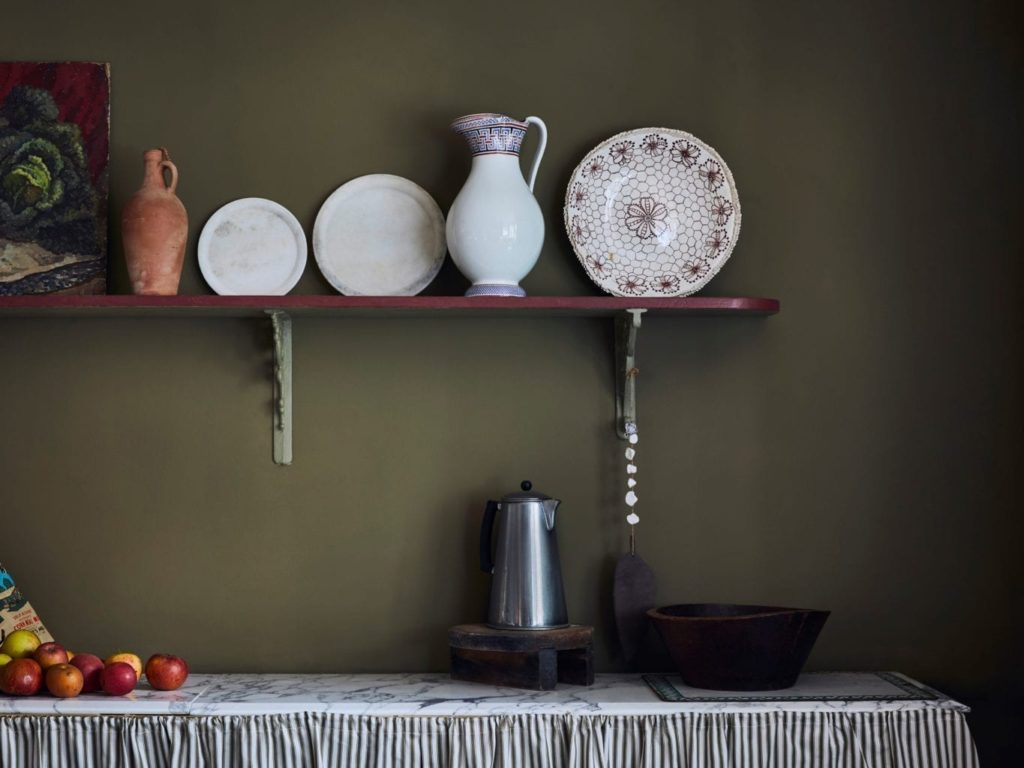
pixel 378 306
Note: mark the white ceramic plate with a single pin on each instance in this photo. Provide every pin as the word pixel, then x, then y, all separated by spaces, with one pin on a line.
pixel 252 247
pixel 379 235
pixel 652 212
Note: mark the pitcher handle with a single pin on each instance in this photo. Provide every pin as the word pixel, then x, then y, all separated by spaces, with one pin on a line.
pixel 540 147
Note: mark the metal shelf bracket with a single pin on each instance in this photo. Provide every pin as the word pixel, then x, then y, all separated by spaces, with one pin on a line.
pixel 282 421
pixel 626 326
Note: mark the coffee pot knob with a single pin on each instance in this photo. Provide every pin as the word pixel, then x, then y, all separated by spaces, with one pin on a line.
pixel 526 485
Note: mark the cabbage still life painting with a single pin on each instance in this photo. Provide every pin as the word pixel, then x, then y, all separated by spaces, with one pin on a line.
pixel 54 147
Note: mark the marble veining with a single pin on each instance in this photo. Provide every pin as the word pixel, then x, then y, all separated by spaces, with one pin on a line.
pixel 419 694
pixel 142 701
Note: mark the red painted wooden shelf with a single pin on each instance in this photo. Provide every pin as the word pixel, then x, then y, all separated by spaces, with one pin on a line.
pixel 247 306
pixel 283 308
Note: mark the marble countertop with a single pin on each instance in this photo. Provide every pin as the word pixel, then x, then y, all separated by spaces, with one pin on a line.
pixel 429 695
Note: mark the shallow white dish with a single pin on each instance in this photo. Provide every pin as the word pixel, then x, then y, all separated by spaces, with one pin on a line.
pixel 379 235
pixel 252 247
pixel 652 212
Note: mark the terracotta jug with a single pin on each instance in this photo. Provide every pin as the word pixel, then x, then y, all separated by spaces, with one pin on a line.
pixel 154 227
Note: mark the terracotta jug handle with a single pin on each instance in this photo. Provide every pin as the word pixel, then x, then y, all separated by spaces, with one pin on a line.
pixel 167 165
pixel 540 148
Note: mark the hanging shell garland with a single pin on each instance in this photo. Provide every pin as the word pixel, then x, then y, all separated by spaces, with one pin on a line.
pixel 631 469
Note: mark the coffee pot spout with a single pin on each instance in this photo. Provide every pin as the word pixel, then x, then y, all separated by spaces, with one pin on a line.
pixel 550 505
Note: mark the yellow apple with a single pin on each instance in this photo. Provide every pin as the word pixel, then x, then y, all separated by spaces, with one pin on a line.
pixel 4 658
pixel 20 644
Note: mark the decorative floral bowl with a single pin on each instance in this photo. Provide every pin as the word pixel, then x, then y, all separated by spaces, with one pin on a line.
pixel 652 212
pixel 728 647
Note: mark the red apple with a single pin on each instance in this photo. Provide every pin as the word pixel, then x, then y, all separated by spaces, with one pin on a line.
pixel 21 677
pixel 128 658
pixel 118 678
pixel 64 681
pixel 49 654
pixel 166 672
pixel 91 667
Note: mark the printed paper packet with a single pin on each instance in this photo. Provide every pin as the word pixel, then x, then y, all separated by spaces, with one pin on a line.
pixel 16 612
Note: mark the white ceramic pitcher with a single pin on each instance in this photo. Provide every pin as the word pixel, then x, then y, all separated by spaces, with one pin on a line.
pixel 495 228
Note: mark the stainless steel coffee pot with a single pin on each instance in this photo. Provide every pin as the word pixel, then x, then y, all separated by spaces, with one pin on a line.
pixel 526 592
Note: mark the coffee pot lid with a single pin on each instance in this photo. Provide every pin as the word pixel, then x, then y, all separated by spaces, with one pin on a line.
pixel 527 494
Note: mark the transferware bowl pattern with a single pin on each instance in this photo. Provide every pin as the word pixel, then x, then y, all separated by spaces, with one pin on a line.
pixel 652 212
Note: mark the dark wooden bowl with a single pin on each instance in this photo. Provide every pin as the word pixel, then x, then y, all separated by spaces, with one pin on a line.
pixel 728 647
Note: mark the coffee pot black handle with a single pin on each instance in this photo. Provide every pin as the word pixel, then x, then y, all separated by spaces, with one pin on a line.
pixel 486 528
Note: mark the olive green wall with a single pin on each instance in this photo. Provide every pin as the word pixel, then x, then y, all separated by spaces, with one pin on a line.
pixel 858 452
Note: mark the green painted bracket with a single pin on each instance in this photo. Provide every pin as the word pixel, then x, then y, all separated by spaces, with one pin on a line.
pixel 282 422
pixel 626 372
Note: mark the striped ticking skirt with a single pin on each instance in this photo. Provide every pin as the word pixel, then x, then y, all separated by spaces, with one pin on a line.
pixel 883 739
